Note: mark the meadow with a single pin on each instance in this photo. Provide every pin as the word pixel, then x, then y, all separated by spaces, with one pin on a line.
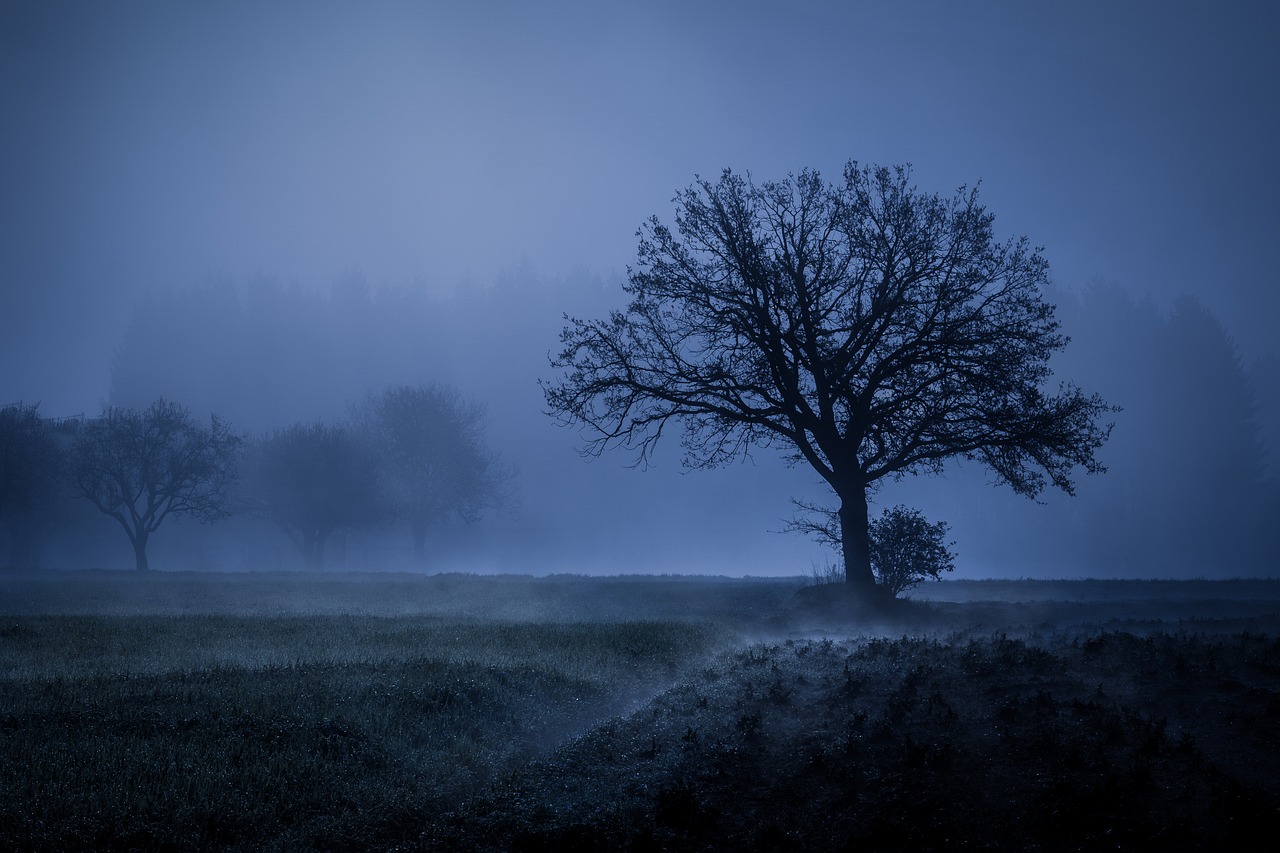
pixel 399 712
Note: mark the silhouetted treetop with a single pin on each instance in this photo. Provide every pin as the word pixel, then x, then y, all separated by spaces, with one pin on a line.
pixel 314 480
pixel 140 467
pixel 32 473
pixel 436 467
pixel 29 458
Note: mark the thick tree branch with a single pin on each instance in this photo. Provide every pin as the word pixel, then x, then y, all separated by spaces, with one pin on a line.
pixel 871 329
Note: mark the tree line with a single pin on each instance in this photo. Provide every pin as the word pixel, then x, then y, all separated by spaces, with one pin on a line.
pixel 414 455
pixel 867 330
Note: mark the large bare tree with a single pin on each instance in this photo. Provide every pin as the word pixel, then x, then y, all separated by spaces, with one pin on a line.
pixel 140 467
pixel 866 328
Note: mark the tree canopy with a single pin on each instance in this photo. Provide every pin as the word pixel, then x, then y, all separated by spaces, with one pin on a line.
pixel 431 446
pixel 864 327
pixel 140 467
pixel 29 458
pixel 31 480
pixel 314 480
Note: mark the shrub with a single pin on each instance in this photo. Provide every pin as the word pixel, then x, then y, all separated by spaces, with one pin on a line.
pixel 906 549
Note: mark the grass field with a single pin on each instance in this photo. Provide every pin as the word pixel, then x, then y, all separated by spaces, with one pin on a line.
pixel 336 712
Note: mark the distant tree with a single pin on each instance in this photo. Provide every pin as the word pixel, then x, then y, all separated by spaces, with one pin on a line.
pixel 431 446
pixel 140 467
pixel 31 471
pixel 868 329
pixel 1186 492
pixel 28 457
pixel 314 480
pixel 907 549
pixel 1264 374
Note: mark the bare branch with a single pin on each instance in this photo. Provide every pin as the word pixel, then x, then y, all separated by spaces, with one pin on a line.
pixel 863 326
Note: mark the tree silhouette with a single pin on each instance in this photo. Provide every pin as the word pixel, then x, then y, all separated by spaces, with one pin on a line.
pixel 31 477
pixel 314 480
pixel 866 328
pixel 142 467
pixel 906 549
pixel 435 465
pixel 1186 490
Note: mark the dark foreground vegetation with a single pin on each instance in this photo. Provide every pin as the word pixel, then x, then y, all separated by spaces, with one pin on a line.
pixel 334 712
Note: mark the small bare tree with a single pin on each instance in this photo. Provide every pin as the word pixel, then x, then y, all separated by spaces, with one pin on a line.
pixel 314 480
pixel 436 467
pixel 140 467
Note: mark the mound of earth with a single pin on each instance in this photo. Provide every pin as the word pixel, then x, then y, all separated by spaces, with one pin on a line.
pixel 911 744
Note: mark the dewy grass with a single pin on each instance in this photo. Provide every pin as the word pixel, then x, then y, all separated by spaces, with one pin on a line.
pixel 294 732
pixel 383 719
pixel 70 646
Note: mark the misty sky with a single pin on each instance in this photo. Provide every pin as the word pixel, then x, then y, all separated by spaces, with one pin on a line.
pixel 146 146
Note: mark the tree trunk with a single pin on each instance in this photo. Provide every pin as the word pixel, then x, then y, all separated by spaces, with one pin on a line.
pixel 855 539
pixel 140 551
